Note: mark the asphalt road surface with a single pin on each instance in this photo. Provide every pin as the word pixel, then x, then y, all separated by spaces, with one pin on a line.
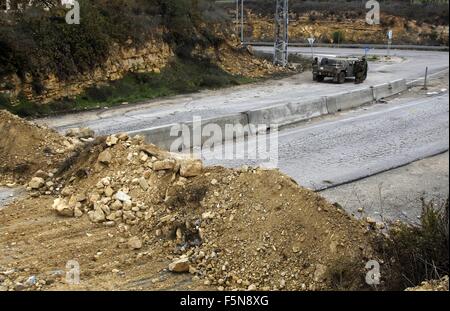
pixel 397 194
pixel 9 194
pixel 209 104
pixel 353 145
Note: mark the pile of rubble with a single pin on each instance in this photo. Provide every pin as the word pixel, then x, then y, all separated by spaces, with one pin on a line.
pixel 25 148
pixel 246 229
pixel 243 229
pixel 120 195
pixel 13 280
pixel 436 285
pixel 28 150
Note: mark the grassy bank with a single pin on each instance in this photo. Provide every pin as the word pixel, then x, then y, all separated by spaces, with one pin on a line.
pixel 179 77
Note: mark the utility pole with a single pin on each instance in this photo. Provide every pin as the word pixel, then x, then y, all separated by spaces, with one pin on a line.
pixel 281 33
pixel 237 17
pixel 242 21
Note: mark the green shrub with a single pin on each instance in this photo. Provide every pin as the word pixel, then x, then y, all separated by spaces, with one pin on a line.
pixel 419 253
pixel 338 36
pixel 23 107
pixel 180 76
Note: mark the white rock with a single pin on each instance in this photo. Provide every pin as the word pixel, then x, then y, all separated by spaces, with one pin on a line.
pixel 105 157
pixel 144 157
pixel 112 140
pixel 106 181
pixel 135 243
pixel 320 272
pixel 62 208
pixel 77 212
pixel 97 215
pixel 191 168
pixel 180 266
pixel 208 215
pixel 122 196
pixel 167 164
pixel 143 183
pixel 36 183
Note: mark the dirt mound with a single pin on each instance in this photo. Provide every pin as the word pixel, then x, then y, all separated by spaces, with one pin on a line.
pixel 162 216
pixel 26 148
pixel 432 286
pixel 242 61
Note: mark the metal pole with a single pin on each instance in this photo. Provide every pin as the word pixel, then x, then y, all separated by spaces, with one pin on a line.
pixel 425 83
pixel 242 21
pixel 237 17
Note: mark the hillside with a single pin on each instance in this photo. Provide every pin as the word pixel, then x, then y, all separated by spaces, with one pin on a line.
pixel 344 22
pixel 146 48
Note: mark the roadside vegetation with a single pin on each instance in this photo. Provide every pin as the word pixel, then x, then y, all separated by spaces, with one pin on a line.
pixel 35 43
pixel 179 77
pixel 418 253
pixel 39 42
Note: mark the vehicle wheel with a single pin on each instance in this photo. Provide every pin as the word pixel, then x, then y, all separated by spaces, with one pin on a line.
pixel 314 78
pixel 341 78
pixel 320 78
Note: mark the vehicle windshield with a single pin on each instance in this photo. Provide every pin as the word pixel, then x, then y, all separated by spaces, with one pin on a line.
pixel 329 62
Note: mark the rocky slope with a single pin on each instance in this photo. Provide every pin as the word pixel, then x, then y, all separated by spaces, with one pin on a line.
pixel 112 41
pixel 325 29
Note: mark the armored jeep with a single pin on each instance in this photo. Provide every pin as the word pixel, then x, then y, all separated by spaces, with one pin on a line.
pixel 340 69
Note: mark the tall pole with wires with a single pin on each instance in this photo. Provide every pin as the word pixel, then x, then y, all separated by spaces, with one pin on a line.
pixel 281 33
pixel 242 21
pixel 237 17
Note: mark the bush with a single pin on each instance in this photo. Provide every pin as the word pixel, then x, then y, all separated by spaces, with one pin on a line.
pixel 180 76
pixel 338 36
pixel 23 107
pixel 419 253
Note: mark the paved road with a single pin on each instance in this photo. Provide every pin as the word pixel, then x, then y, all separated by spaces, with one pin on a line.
pixel 8 194
pixel 210 104
pixel 396 195
pixel 360 143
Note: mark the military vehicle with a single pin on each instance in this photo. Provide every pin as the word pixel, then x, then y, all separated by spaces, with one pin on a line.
pixel 340 69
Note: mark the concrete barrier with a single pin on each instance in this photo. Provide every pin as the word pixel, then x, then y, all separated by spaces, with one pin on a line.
pixel 188 133
pixel 159 136
pixel 287 113
pixel 389 89
pixel 349 100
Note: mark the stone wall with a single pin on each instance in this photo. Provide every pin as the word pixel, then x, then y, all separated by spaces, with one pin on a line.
pixel 153 57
